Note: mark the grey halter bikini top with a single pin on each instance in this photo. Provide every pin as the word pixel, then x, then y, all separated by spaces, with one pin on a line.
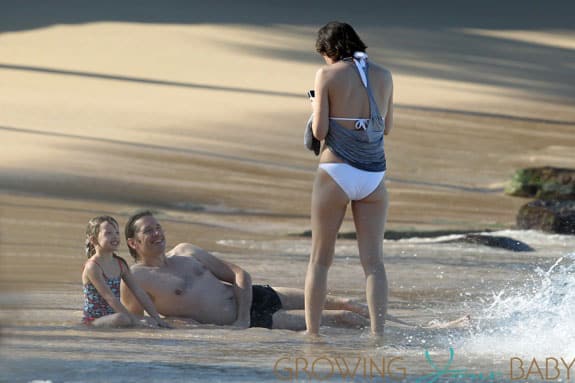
pixel 361 148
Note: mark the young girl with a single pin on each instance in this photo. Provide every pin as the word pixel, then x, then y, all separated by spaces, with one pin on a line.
pixel 101 279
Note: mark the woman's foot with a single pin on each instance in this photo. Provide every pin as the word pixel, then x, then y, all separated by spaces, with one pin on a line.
pixel 463 322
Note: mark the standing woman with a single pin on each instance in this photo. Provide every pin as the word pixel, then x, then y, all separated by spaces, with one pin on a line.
pixel 353 110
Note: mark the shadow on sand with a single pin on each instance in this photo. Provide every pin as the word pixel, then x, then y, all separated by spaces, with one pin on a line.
pixel 513 14
pixel 430 39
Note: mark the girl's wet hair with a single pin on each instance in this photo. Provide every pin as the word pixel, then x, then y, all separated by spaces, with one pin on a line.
pixel 93 229
pixel 338 40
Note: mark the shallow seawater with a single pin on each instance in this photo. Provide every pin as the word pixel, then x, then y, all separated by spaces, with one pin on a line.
pixel 521 307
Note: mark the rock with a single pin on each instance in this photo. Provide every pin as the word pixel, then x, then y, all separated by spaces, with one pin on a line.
pixel 394 234
pixel 543 183
pixel 550 216
pixel 505 243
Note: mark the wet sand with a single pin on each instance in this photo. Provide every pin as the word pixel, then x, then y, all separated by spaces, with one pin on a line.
pixel 203 122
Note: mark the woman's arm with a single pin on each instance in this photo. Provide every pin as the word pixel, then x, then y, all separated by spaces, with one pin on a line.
pixel 389 115
pixel 320 124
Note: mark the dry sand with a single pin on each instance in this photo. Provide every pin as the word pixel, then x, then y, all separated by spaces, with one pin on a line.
pixel 202 119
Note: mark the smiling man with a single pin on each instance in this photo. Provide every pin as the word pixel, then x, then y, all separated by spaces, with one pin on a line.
pixel 191 284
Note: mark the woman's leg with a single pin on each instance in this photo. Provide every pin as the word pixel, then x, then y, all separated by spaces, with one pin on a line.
pixel 293 299
pixel 369 215
pixel 328 205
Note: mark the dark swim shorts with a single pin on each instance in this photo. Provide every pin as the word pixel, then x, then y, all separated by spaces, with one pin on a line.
pixel 265 302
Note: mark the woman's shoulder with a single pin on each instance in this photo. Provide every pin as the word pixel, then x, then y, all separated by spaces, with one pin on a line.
pixel 381 77
pixel 326 72
pixel 380 70
pixel 339 66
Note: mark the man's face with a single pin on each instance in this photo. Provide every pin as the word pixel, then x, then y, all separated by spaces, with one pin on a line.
pixel 149 238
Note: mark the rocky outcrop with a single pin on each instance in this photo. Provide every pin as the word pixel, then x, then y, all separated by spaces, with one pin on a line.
pixel 543 183
pixel 551 216
pixel 500 242
pixel 506 243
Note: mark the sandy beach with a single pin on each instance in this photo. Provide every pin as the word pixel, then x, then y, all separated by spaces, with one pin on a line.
pixel 198 114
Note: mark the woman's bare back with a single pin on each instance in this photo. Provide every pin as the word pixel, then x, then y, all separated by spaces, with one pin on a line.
pixel 347 95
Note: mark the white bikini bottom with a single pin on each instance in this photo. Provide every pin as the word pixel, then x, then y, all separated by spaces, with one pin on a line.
pixel 356 183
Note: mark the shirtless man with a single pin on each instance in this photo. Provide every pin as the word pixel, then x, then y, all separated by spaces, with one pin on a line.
pixel 191 284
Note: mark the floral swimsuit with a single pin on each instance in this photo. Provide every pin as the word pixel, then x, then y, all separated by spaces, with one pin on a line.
pixel 95 306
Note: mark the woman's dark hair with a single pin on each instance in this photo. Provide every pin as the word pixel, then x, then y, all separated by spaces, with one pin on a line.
pixel 130 229
pixel 338 40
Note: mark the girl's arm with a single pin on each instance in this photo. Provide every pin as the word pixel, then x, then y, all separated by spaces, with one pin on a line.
pixel 130 301
pixel 95 275
pixel 141 297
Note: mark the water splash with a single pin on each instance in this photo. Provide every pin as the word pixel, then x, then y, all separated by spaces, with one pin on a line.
pixel 536 319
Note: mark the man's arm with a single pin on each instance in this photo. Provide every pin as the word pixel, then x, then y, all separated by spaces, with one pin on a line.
pixel 141 297
pixel 227 272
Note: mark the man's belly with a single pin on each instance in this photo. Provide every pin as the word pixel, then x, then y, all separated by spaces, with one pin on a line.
pixel 216 305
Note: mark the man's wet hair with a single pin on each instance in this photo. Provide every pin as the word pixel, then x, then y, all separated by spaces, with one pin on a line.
pixel 130 229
